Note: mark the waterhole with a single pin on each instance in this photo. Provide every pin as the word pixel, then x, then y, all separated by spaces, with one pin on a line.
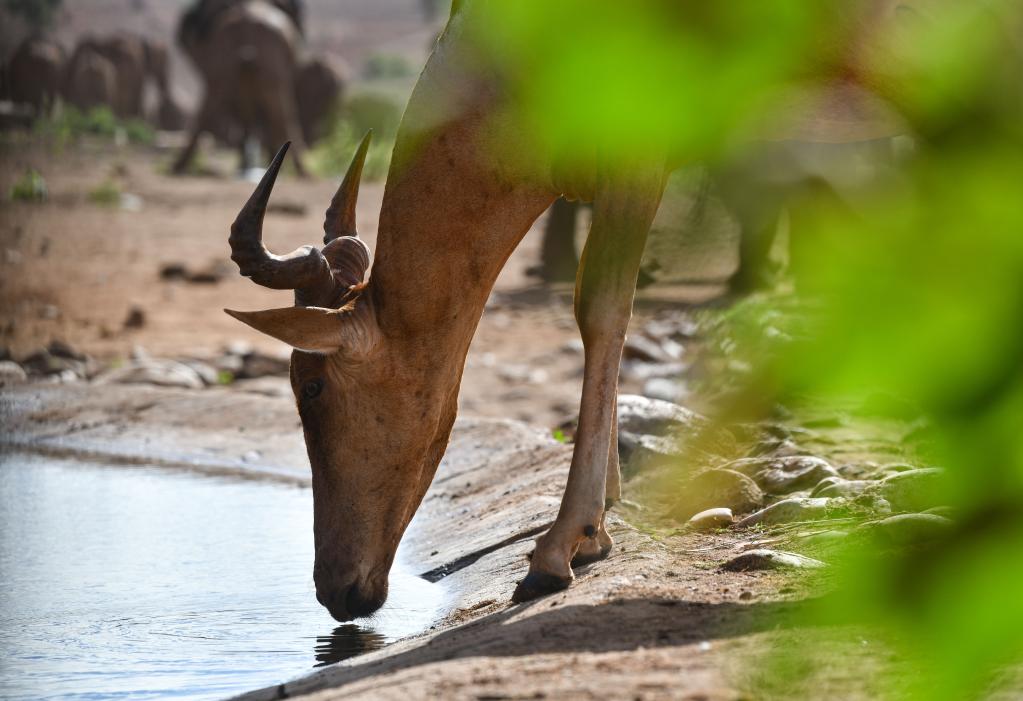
pixel 121 582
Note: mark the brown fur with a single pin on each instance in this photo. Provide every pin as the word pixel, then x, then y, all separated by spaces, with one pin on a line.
pixel 377 411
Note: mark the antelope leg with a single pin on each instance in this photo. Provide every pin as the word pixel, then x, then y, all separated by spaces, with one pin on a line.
pixel 624 208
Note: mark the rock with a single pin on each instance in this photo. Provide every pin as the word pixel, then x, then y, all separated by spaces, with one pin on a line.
pixel 770 560
pixel 838 487
pixel 11 373
pixel 711 519
pixel 206 372
pixel 162 373
pixel 907 529
pixel 786 511
pixel 638 347
pixel 136 318
pixel 784 474
pixel 265 386
pixel 715 489
pixel 781 482
pixel 639 370
pixel 913 490
pixel 59 349
pixel 256 364
pixel 58 359
pixel 643 415
pixel 663 388
pixel 518 373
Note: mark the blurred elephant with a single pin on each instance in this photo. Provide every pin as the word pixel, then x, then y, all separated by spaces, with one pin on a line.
pixel 90 79
pixel 136 62
pixel 246 52
pixel 33 74
pixel 319 88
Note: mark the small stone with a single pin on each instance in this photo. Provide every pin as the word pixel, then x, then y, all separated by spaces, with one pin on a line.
pixel 775 481
pixel 11 373
pixel 162 373
pixel 711 519
pixel 838 487
pixel 638 347
pixel 638 414
pixel 788 510
pixel 770 560
pixel 207 373
pixel 136 318
pixel 665 389
pixel 717 489
pixel 907 529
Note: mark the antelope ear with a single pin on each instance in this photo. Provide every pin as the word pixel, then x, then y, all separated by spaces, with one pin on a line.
pixel 310 329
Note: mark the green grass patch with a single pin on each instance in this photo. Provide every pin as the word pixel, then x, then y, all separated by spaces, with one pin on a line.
pixel 106 194
pixel 30 187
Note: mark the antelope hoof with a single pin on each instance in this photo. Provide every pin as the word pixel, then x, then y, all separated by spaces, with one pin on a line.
pixel 537 584
pixel 588 555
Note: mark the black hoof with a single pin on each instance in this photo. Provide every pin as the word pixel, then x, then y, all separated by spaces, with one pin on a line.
pixel 580 560
pixel 536 585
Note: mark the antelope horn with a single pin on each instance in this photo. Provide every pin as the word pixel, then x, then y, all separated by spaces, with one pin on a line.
pixel 304 269
pixel 340 219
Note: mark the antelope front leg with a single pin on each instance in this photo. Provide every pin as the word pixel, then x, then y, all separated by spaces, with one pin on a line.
pixel 624 208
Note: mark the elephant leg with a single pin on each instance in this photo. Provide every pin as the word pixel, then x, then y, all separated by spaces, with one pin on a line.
pixel 623 211
pixel 203 122
pixel 282 125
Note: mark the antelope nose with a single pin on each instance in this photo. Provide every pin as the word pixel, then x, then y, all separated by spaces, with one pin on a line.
pixel 346 603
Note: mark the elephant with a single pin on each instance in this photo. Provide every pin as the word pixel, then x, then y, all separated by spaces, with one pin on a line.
pixel 33 74
pixel 90 80
pixel 319 88
pixel 246 52
pixel 136 62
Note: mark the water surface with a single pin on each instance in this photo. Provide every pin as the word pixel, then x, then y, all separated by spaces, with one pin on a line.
pixel 144 583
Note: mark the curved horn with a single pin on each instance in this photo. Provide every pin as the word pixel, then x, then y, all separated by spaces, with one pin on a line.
pixel 303 269
pixel 340 219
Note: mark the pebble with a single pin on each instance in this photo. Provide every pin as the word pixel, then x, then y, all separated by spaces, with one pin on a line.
pixel 11 373
pixel 770 560
pixel 665 389
pixel 838 487
pixel 161 373
pixel 711 519
pixel 717 489
pixel 637 414
pixel 788 510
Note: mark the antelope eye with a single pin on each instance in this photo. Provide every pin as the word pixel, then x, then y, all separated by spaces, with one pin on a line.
pixel 312 389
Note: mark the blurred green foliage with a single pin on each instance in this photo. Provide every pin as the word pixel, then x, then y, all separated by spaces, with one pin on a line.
pixel 106 194
pixel 71 124
pixel 30 187
pixel 382 66
pixel 359 114
pixel 908 285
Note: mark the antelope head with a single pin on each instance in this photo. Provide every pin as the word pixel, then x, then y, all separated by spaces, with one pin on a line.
pixel 353 400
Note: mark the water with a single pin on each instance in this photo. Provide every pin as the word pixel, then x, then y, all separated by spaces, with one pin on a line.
pixel 139 583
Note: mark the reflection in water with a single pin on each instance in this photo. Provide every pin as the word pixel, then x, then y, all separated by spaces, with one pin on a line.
pixel 347 640
pixel 136 583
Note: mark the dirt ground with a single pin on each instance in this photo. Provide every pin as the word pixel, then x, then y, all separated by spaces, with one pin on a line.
pixel 74 270
pixel 657 620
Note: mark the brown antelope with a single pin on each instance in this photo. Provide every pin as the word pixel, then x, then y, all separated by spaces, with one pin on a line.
pixel 378 361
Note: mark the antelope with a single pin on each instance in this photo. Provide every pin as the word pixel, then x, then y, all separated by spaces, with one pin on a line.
pixel 377 360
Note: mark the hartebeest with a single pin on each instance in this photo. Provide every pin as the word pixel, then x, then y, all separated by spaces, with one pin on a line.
pixel 378 362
